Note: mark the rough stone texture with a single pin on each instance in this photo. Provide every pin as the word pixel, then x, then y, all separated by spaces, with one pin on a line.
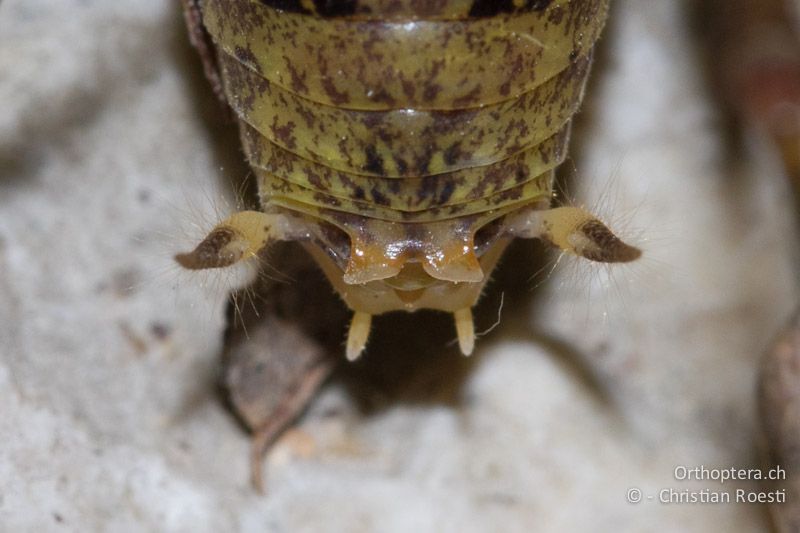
pixel 112 157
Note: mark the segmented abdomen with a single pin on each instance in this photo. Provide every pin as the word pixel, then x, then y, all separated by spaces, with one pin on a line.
pixel 404 111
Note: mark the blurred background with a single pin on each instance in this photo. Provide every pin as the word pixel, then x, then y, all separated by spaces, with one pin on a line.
pixel 114 155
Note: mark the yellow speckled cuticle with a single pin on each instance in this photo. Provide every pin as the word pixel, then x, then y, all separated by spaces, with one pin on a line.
pixel 415 64
pixel 404 142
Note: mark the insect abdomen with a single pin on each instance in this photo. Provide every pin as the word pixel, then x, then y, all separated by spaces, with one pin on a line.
pixel 335 110
pixel 409 126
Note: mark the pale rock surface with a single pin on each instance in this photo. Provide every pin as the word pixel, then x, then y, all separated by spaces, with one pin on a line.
pixel 108 353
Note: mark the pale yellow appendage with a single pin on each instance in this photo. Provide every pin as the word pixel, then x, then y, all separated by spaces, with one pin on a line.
pixel 465 330
pixel 358 334
pixel 576 231
pixel 239 237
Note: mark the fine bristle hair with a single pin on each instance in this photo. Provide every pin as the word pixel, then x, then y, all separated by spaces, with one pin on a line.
pixel 199 210
pixel 596 293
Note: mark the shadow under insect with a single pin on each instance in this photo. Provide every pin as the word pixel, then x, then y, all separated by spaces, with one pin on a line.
pixel 286 335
